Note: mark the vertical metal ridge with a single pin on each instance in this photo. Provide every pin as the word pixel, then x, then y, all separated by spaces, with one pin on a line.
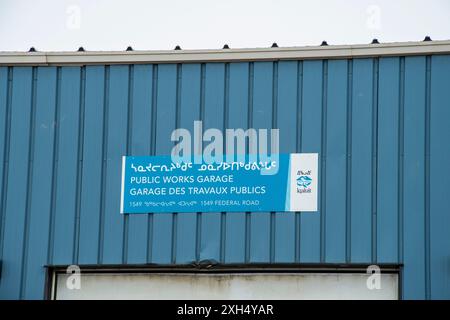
pixel 272 236
pixel 154 110
pixel 427 177
pixel 226 97
pixel 299 105
pixel 51 238
pixel 401 140
pixel 298 143
pixel 198 222
pixel 226 111
pixel 178 96
pixel 6 145
pixel 249 125
pixel 375 77
pixel 149 237
pixel 274 125
pixel 202 90
pixel 152 152
pixel 198 239
pixel 274 95
pixel 348 182
pixel 400 180
pixel 323 157
pixel 101 233
pixel 31 141
pixel 223 221
pixel 127 151
pixel 76 233
pixel 174 237
pixel 177 125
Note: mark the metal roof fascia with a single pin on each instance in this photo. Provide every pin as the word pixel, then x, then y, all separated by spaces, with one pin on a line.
pixel 221 55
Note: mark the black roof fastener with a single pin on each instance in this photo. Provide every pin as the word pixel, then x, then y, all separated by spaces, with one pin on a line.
pixel 129 48
pixel 274 45
pixel 375 41
pixel 324 43
pixel 226 47
pixel 32 49
pixel 80 49
pixel 177 48
pixel 427 38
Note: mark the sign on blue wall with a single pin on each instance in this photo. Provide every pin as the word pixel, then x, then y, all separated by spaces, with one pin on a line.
pixel 157 184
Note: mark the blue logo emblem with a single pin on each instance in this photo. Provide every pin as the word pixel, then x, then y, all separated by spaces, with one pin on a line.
pixel 304 181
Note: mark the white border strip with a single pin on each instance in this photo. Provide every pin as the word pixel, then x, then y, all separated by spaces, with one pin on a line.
pixel 122 186
pixel 180 56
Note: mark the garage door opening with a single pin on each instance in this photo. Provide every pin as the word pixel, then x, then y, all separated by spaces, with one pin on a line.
pixel 229 285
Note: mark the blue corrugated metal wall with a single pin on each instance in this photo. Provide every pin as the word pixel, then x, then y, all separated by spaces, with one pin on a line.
pixel 381 127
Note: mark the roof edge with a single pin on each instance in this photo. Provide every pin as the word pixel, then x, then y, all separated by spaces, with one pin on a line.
pixel 224 55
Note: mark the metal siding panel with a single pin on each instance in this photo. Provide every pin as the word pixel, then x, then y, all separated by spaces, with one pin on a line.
pixel 414 182
pixel 235 238
pixel 361 209
pixel 260 223
pixel 166 107
pixel 116 148
pixel 40 201
pixel 260 237
pixel 165 124
pixel 287 113
pixel 210 237
pixel 287 104
pixel 186 237
pixel 237 118
pixel 140 132
pixel 214 109
pixel 238 95
pixel 388 153
pixel 440 178
pixel 67 164
pixel 311 138
pixel 4 137
pixel 214 96
pixel 284 237
pixel 336 156
pixel 91 193
pixel 15 207
pixel 189 112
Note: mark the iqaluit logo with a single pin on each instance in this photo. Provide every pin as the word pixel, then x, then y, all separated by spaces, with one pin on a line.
pixel 304 181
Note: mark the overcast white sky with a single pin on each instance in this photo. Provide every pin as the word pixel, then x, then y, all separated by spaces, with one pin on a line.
pixel 64 25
